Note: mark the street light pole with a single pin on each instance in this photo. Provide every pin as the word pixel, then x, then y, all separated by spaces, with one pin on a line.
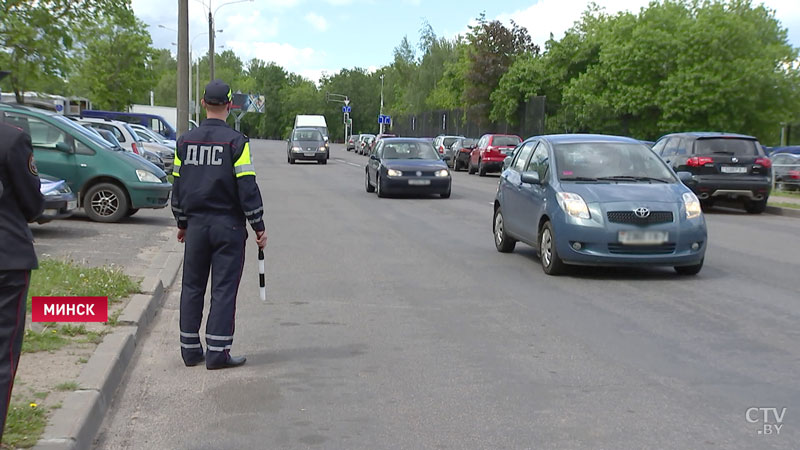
pixel 183 66
pixel 211 32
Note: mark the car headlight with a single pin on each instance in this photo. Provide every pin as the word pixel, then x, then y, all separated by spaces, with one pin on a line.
pixel 297 149
pixel 692 205
pixel 442 173
pixel 573 205
pixel 394 173
pixel 323 148
pixel 147 177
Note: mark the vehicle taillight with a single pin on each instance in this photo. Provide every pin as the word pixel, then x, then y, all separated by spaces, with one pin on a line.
pixel 764 162
pixel 441 149
pixel 135 148
pixel 697 161
pixel 794 174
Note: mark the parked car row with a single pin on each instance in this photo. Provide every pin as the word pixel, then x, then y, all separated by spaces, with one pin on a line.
pixel 108 182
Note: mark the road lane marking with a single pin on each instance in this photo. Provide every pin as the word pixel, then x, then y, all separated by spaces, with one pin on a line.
pixel 347 162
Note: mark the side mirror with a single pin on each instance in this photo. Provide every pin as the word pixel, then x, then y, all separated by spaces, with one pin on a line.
pixel 530 177
pixel 507 162
pixel 445 158
pixel 373 156
pixel 685 176
pixel 63 147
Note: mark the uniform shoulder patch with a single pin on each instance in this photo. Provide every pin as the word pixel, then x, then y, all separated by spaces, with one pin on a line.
pixel 32 166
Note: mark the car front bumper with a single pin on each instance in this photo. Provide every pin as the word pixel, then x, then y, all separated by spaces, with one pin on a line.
pixel 149 195
pixel 600 245
pixel 58 207
pixel 438 185
pixel 308 156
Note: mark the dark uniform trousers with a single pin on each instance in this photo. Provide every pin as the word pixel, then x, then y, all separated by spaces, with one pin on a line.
pixel 217 248
pixel 13 297
pixel 20 202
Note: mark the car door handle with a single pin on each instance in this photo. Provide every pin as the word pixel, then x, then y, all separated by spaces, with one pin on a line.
pixel 83 165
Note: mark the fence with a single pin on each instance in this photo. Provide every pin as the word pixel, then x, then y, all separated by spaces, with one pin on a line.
pixel 786 174
pixel 472 122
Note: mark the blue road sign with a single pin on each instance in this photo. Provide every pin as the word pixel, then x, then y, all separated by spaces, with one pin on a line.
pixel 346 109
pixel 387 120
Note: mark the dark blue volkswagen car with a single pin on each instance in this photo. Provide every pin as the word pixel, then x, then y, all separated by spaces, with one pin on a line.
pixel 598 200
pixel 406 166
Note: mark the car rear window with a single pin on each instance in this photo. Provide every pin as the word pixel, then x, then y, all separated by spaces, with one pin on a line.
pixel 505 141
pixel 449 141
pixel 726 146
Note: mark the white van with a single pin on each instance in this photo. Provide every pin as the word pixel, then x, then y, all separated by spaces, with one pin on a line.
pixel 314 121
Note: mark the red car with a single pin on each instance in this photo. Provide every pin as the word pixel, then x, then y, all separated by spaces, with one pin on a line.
pixel 490 152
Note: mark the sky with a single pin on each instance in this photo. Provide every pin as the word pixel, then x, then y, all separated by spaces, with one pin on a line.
pixel 312 37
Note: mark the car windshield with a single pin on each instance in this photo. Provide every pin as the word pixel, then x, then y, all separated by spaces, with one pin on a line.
pixel 307 135
pixel 609 161
pixel 409 150
pixel 505 141
pixel 468 142
pixel 91 135
pixel 726 146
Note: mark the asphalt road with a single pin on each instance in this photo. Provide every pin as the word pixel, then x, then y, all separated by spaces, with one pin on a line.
pixel 394 323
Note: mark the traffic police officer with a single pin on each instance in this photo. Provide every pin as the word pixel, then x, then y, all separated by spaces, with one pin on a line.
pixel 20 202
pixel 214 194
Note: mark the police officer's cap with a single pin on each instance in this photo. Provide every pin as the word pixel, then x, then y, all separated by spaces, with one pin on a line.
pixel 217 92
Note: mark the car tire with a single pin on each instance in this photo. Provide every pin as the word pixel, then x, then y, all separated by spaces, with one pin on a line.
pixel 502 241
pixel 755 207
pixel 379 187
pixel 481 169
pixel 291 160
pixel 370 188
pixel 455 165
pixel 323 161
pixel 105 202
pixel 548 253
pixel 132 211
pixel 471 168
pixel 706 204
pixel 689 270
pixel 446 194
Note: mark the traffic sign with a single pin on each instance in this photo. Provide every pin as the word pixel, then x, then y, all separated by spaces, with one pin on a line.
pixel 346 109
pixel 385 119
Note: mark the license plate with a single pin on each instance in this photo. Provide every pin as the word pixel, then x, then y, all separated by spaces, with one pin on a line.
pixel 309 153
pixel 72 204
pixel 637 237
pixel 419 182
pixel 733 169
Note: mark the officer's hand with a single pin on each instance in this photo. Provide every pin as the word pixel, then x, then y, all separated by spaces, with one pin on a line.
pixel 261 238
pixel 181 235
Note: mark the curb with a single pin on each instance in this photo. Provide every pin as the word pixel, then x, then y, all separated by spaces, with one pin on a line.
pixel 786 212
pixel 76 423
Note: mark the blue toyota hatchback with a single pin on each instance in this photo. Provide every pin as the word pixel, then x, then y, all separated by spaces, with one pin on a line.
pixel 598 200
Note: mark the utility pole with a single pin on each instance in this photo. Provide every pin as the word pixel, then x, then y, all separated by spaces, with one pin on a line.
pixel 340 98
pixel 183 66
pixel 381 131
pixel 210 41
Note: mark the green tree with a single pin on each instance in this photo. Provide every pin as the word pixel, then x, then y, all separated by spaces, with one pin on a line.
pixel 491 51
pixel 681 65
pixel 114 61
pixel 37 36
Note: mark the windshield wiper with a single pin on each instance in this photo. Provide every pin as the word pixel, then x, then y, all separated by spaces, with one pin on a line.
pixel 632 178
pixel 578 179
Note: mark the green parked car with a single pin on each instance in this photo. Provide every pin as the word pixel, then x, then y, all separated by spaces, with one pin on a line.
pixel 110 183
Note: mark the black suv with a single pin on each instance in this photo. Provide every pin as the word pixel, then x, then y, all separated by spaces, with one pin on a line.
pixel 724 166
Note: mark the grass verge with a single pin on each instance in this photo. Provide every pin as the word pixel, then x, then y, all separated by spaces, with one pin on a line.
pixel 24 424
pixel 67 278
pixel 784 205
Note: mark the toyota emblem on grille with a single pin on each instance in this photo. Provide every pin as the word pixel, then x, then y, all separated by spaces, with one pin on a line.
pixel 734 160
pixel 419 174
pixel 642 213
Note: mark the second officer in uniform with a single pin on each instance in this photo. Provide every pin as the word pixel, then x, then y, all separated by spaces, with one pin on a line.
pixel 214 196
